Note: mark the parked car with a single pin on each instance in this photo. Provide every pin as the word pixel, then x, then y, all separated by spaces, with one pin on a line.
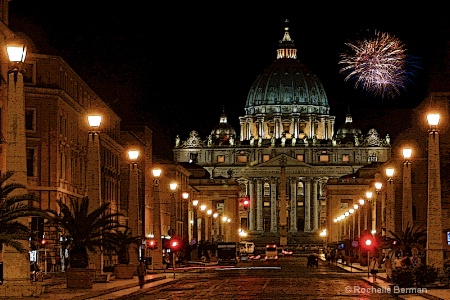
pixel 244 258
pixel 287 252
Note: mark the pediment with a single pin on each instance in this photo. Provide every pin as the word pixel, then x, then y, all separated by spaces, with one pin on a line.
pixel 283 160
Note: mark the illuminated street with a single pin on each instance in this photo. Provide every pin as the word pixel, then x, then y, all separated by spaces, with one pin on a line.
pixel 289 278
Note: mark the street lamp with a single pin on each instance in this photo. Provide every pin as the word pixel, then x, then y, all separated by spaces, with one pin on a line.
pixel 389 216
pixel 157 261
pixel 16 265
pixel 133 204
pixel 435 255
pixel 407 215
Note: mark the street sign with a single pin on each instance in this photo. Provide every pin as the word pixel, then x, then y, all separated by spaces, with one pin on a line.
pixel 355 243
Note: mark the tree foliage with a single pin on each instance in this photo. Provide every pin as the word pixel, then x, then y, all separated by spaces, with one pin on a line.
pixel 121 242
pixel 84 230
pixel 412 237
pixel 12 208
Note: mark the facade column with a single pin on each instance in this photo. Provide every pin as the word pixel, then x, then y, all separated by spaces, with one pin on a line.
pixel 307 204
pixel 407 215
pixel 253 205
pixel 277 125
pixel 242 129
pixel 259 206
pixel 315 201
pixel 273 206
pixel 293 211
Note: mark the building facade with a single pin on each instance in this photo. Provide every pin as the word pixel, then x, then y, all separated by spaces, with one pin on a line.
pixel 286 151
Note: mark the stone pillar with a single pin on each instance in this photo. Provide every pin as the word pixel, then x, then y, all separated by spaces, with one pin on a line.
pixel 133 210
pixel 435 255
pixel 307 204
pixel 293 211
pixel 407 215
pixel 253 205
pixel 315 202
pixel 259 206
pixel 16 265
pixel 273 206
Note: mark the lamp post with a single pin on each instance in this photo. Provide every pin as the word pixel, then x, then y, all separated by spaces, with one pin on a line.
pixel 407 215
pixel 134 207
pixel 378 186
pixel 93 173
pixel 369 196
pixel 173 187
pixel 361 204
pixel 195 229
pixel 434 212
pixel 390 202
pixel 16 265
pixel 157 255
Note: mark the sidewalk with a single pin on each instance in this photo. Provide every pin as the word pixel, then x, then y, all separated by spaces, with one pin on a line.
pixel 388 287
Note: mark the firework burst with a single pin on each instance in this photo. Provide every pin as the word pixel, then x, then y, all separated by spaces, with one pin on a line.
pixel 378 65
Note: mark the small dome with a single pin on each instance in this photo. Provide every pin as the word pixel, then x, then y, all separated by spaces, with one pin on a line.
pixel 348 133
pixel 222 132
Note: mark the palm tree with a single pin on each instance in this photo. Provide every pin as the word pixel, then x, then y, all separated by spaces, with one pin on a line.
pixel 412 237
pixel 85 230
pixel 120 243
pixel 12 231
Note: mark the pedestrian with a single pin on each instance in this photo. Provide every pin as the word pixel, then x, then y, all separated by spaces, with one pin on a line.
pixel 141 273
pixel 333 256
pixel 415 261
pixel 374 268
pixel 388 266
pixel 407 261
pixel 398 262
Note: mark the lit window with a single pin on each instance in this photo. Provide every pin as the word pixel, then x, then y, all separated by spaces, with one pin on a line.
pixel 346 157
pixel 324 157
pixel 266 157
pixel 220 158
pixel 266 189
pixel 300 157
pixel 300 188
pixel 242 158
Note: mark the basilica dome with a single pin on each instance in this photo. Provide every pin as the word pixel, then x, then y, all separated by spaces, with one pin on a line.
pixel 287 100
pixel 222 132
pixel 348 133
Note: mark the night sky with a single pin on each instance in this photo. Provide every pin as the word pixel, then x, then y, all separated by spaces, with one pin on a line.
pixel 177 67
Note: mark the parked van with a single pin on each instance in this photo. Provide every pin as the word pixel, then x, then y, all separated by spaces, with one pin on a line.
pixel 246 248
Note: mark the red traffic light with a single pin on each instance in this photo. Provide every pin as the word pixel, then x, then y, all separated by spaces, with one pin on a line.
pixel 175 244
pixel 246 203
pixel 43 242
pixel 152 244
pixel 368 242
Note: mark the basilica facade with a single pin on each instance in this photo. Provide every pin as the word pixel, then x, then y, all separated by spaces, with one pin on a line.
pixel 285 151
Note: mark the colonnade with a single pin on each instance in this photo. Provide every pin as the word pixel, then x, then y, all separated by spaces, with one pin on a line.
pixel 300 189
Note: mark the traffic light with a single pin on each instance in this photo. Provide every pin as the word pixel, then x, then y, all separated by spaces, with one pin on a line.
pixel 43 242
pixel 152 244
pixel 245 203
pixel 368 242
pixel 175 244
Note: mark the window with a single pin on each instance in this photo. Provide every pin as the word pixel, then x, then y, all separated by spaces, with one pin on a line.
pixel 266 189
pixel 266 204
pixel 345 203
pixel 346 157
pixel 300 157
pixel 266 157
pixel 30 120
pixel 300 190
pixel 242 158
pixel 30 161
pixel 193 157
pixel 373 157
pixel 220 158
pixel 324 157
pixel 300 203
